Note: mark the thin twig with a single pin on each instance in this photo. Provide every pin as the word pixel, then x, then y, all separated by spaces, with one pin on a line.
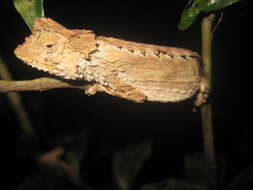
pixel 39 84
pixel 206 110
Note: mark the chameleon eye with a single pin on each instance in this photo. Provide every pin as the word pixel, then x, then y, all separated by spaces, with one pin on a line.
pixel 49 45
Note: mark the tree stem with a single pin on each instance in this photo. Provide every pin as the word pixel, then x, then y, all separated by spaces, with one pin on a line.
pixel 206 110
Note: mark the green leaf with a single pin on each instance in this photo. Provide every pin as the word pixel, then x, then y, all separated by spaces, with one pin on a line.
pixel 213 5
pixel 189 15
pixel 29 10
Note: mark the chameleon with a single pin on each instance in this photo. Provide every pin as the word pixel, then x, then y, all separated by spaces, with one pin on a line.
pixel 134 71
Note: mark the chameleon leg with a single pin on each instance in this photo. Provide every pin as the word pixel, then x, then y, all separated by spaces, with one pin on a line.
pixel 203 93
pixel 119 89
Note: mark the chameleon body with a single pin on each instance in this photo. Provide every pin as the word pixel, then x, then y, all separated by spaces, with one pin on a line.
pixel 130 70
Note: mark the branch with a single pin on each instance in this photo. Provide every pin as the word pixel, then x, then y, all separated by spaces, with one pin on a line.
pixel 39 84
pixel 206 110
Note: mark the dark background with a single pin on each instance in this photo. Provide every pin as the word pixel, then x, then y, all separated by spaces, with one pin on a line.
pixel 111 122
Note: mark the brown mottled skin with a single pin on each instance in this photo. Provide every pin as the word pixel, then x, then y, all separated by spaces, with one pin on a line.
pixel 130 70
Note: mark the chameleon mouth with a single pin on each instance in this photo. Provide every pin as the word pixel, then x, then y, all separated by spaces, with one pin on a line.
pixel 47 69
pixel 40 68
pixel 52 69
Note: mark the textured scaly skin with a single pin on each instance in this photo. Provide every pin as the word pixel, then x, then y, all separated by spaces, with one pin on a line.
pixel 130 70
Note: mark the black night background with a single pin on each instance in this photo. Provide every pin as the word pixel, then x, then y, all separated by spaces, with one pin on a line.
pixel 108 124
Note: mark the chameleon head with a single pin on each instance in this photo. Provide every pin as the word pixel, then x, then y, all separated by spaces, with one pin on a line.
pixel 49 50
